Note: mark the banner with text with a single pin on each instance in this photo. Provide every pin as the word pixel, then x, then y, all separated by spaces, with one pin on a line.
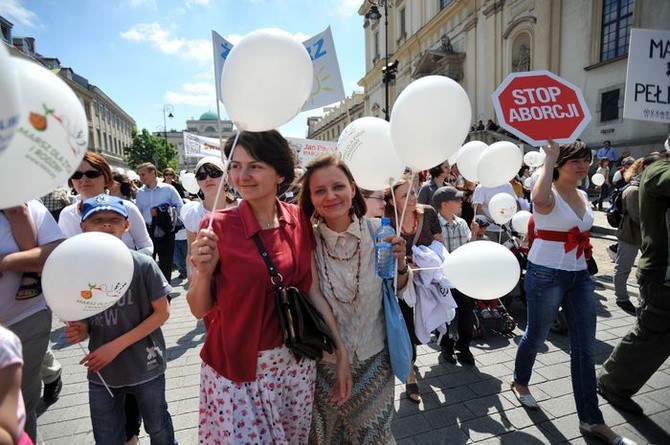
pixel 308 149
pixel 199 146
pixel 648 77
pixel 327 86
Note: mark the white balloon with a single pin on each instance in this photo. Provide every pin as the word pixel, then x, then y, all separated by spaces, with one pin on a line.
pixel 9 104
pixel 430 120
pixel 453 159
pixel 104 269
pixel 598 179
pixel 367 148
pixel 266 79
pixel 534 158
pixel 468 159
pixel 528 182
pixel 132 175
pixel 499 163
pixel 190 183
pixel 50 140
pixel 520 221
pixel 464 265
pixel 502 207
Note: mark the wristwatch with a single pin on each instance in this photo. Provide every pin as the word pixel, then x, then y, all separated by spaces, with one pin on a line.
pixel 404 271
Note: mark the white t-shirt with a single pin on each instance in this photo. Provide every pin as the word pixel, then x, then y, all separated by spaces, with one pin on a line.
pixel 561 219
pixel 12 310
pixel 10 354
pixel 136 237
pixel 192 214
pixel 483 195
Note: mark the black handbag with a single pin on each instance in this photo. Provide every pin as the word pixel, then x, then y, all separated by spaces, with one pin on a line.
pixel 305 331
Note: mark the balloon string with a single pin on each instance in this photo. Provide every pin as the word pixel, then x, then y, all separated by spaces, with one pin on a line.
pixel 97 372
pixel 224 178
pixel 402 216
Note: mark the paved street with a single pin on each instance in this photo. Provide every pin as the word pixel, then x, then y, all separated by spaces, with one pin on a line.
pixel 461 404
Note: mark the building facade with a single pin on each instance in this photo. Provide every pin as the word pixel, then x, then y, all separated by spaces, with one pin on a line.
pixel 479 42
pixel 329 126
pixel 109 126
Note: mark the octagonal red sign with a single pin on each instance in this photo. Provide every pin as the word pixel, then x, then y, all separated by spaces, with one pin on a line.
pixel 538 105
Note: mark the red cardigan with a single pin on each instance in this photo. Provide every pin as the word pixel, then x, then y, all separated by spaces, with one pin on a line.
pixel 246 321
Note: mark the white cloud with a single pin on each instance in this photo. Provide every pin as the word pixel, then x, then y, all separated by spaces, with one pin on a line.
pixel 199 94
pixel 191 3
pixel 13 10
pixel 348 8
pixel 161 40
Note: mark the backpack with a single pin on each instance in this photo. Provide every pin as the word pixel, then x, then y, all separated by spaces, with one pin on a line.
pixel 615 212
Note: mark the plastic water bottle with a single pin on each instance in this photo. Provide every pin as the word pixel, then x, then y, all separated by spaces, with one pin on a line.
pixel 384 260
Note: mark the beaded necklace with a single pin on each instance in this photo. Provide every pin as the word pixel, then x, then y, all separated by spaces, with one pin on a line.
pixel 357 250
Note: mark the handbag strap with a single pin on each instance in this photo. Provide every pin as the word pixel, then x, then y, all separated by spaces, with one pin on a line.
pixel 275 277
pixel 419 228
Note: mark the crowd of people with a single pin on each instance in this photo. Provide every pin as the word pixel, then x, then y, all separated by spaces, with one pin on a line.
pixel 252 387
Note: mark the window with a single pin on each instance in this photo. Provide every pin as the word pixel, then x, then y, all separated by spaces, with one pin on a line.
pixel 403 24
pixel 609 105
pixel 444 3
pixel 376 46
pixel 617 22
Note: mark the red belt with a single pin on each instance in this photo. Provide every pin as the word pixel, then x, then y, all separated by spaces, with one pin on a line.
pixel 571 239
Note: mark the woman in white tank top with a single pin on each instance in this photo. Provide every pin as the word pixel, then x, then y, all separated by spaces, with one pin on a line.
pixel 557 276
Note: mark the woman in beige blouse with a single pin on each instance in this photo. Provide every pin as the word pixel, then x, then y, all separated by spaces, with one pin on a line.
pixel 345 256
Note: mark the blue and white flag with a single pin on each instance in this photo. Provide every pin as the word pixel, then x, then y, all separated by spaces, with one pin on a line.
pixel 222 48
pixel 327 86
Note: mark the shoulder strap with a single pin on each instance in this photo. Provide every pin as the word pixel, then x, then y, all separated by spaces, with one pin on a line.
pixel 275 276
pixel 419 228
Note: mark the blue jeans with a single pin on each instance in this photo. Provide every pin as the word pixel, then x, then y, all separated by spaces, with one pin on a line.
pixel 547 290
pixel 108 418
pixel 179 256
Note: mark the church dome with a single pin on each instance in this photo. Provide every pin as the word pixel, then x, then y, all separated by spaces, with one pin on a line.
pixel 208 116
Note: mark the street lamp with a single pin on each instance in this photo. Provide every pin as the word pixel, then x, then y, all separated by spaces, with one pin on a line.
pixel 389 70
pixel 167 110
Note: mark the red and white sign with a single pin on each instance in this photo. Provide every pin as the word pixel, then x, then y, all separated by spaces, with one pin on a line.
pixel 538 105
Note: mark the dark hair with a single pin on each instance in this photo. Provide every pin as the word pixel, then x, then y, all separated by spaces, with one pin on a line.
pixel 126 187
pixel 358 206
pixel 100 164
pixel 573 150
pixel 269 147
pixel 436 171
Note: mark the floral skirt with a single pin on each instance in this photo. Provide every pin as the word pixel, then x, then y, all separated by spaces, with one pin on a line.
pixel 275 409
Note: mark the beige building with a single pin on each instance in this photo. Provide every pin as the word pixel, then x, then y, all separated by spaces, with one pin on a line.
pixel 479 42
pixel 329 126
pixel 109 126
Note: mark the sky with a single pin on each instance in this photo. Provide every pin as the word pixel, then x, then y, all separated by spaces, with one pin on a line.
pixel 145 54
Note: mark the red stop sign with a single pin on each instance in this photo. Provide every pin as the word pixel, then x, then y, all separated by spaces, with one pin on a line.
pixel 539 105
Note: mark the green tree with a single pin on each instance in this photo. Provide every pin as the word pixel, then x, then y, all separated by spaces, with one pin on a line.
pixel 149 148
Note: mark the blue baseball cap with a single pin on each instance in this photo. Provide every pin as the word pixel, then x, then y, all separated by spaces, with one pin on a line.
pixel 103 202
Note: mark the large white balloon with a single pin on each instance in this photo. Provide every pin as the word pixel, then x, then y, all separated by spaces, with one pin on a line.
pixel 533 158
pixel 598 179
pixel 50 140
pixel 190 183
pixel 499 163
pixel 520 221
pixel 429 121
pixel 266 79
pixel 464 266
pixel 86 274
pixel 468 159
pixel 9 99
pixel 367 148
pixel 502 206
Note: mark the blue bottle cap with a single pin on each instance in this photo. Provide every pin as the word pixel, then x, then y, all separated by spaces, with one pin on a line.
pixel 386 221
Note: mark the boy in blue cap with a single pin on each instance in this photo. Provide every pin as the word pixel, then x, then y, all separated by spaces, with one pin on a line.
pixel 126 342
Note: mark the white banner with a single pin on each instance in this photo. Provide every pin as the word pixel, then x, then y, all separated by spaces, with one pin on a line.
pixel 327 86
pixel 308 149
pixel 648 77
pixel 199 146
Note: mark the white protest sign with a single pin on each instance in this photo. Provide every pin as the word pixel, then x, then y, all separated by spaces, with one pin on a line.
pixel 648 78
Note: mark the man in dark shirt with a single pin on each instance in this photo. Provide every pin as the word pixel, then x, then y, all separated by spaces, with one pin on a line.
pixel 646 347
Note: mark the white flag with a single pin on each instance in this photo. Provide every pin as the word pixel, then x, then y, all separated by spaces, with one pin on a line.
pixel 327 85
pixel 222 48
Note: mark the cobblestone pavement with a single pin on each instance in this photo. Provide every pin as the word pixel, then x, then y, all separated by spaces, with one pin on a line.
pixel 461 404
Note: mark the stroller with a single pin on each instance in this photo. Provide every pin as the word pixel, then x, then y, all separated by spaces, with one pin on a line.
pixel 499 321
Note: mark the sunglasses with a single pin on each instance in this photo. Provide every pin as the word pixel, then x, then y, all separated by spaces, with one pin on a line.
pixel 168 174
pixel 211 173
pixel 90 174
